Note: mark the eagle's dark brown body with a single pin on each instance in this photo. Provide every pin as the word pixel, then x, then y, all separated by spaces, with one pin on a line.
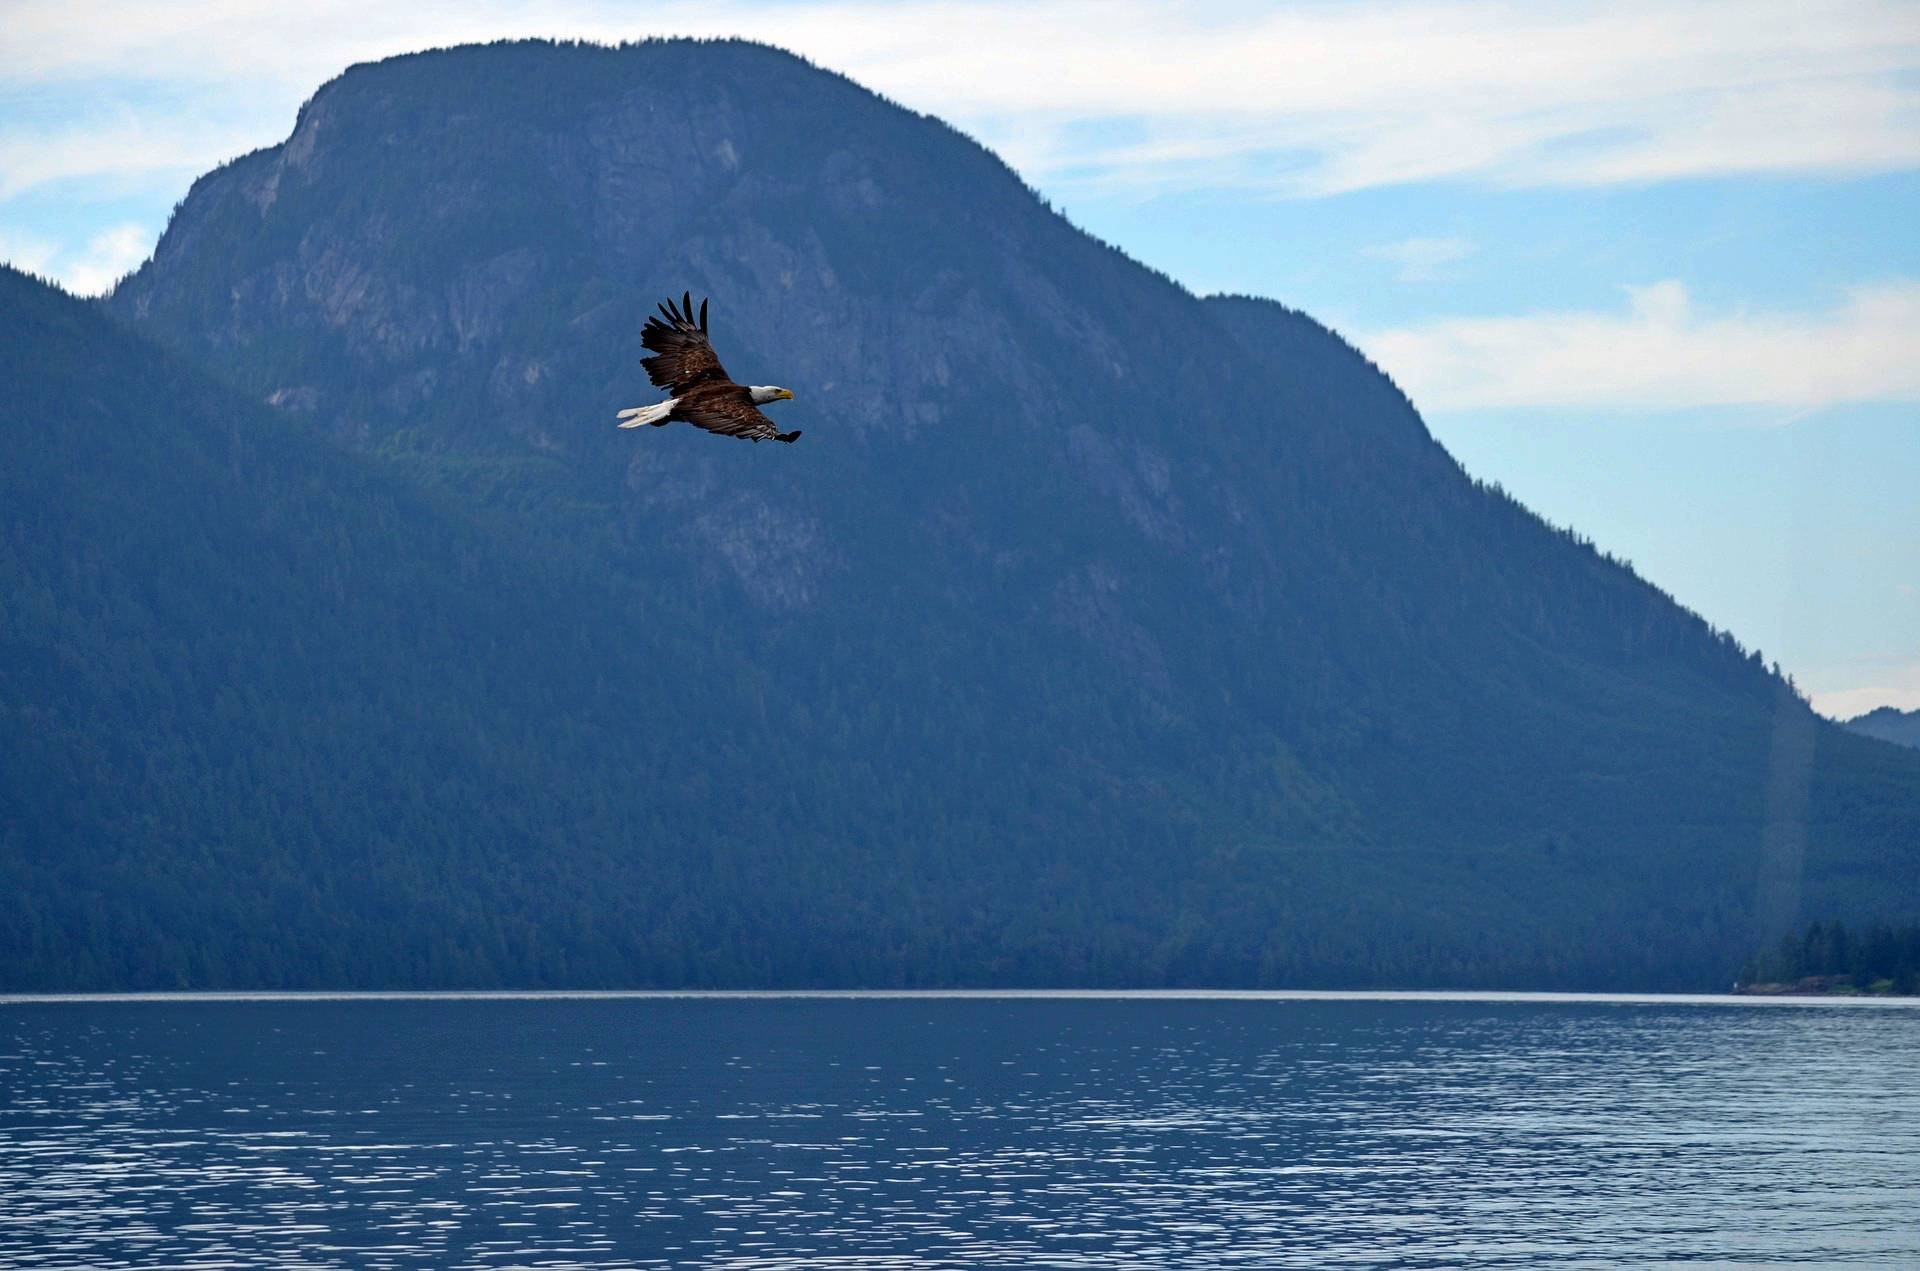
pixel 703 395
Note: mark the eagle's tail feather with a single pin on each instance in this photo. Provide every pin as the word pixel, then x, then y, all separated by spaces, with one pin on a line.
pixel 656 414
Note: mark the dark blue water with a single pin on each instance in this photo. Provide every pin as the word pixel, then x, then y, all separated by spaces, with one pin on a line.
pixel 883 1133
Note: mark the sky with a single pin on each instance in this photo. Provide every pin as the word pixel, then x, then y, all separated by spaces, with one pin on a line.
pixel 1653 267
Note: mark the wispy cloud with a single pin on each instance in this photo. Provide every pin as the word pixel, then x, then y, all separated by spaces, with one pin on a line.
pixel 28 251
pixel 1659 353
pixel 119 148
pixel 107 258
pixel 1890 682
pixel 1422 259
pixel 102 260
pixel 1299 100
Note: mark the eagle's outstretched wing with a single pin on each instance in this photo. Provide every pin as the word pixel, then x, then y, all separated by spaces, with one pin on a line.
pixel 730 412
pixel 683 357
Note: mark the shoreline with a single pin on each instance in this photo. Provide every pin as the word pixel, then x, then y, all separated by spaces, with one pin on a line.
pixel 1744 996
pixel 1817 986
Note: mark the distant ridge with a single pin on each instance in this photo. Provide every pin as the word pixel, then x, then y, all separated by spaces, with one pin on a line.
pixel 1099 636
pixel 1888 724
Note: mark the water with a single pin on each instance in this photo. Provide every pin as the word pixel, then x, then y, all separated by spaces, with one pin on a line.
pixel 957 1132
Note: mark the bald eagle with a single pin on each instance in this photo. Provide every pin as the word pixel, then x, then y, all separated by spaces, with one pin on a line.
pixel 684 364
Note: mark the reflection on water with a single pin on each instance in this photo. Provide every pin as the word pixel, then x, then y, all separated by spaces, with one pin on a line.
pixel 956 1133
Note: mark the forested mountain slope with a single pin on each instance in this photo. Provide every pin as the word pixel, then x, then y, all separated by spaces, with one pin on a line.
pixel 1888 724
pixel 1093 633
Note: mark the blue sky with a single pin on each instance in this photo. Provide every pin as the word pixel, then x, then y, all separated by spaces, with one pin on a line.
pixel 1653 267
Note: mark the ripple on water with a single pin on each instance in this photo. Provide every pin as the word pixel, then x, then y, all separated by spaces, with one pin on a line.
pixel 767 1133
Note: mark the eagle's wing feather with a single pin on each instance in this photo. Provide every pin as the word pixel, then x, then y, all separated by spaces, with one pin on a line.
pixel 728 411
pixel 683 357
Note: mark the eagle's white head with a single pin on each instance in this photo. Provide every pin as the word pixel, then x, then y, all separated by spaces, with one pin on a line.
pixel 764 393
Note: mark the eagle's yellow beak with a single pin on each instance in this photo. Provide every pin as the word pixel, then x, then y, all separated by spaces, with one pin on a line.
pixel 787 393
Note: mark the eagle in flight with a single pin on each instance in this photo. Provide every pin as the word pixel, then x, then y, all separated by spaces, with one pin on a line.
pixel 684 364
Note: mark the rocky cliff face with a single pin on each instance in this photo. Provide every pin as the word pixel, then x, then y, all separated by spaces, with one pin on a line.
pixel 1172 603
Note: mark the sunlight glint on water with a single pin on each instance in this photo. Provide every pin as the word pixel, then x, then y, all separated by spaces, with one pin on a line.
pixel 955 1133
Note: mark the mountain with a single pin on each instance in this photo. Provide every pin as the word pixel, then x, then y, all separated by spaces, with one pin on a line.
pixel 1093 634
pixel 1888 724
pixel 271 715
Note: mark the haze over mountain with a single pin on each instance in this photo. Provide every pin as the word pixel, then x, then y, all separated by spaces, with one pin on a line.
pixel 1888 724
pixel 1093 634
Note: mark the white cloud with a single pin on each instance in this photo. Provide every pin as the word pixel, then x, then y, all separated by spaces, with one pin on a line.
pixel 1297 100
pixel 1659 353
pixel 27 251
pixel 1422 259
pixel 1895 684
pixel 122 149
pixel 108 257
pixel 103 260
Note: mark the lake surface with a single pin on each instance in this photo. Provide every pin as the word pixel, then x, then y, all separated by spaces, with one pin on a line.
pixel 895 1132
